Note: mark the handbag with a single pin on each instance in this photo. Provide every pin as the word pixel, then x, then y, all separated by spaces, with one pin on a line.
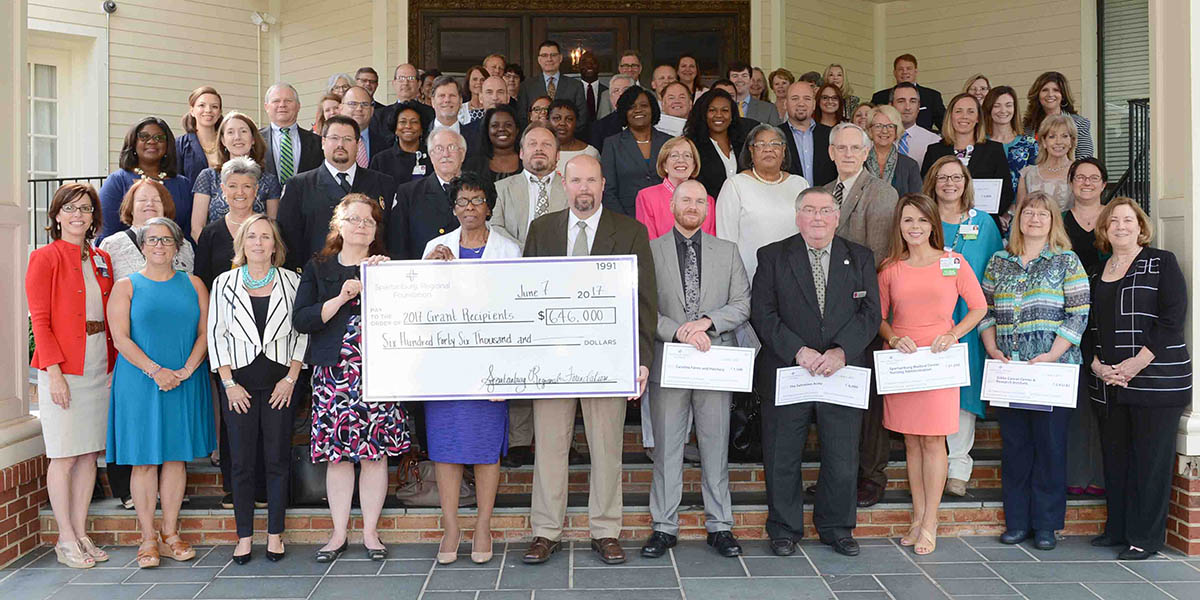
pixel 418 484
pixel 308 479
pixel 745 428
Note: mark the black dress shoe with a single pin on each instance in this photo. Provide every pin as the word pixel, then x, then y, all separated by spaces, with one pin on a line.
pixel 227 501
pixel 328 556
pixel 1132 553
pixel 275 556
pixel 657 544
pixel 1014 536
pixel 1043 539
pixel 574 457
pixel 783 547
pixel 847 546
pixel 869 493
pixel 1104 541
pixel 724 543
pixel 242 559
pixel 518 456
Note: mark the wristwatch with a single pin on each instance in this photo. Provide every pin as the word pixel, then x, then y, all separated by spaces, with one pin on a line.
pixel 228 383
pixel 288 378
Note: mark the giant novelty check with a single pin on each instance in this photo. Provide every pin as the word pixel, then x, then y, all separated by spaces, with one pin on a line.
pixel 897 372
pixel 513 328
pixel 1039 386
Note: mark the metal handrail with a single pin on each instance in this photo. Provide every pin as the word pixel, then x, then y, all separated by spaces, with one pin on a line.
pixel 41 193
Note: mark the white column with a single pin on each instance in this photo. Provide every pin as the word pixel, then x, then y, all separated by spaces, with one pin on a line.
pixel 402 34
pixel 379 44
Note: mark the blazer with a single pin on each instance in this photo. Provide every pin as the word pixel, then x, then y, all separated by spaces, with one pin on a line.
pixel 763 112
pixel 988 161
pixel 712 170
pixel 512 204
pixel 422 212
pixel 191 159
pixel 311 153
pixel 906 179
pixel 54 288
pixel 932 112
pixel 321 280
pixel 1151 312
pixel 824 170
pixel 616 234
pixel 499 245
pixel 569 88
pixel 784 309
pixel 724 291
pixel 233 339
pixel 867 212
pixel 601 129
pixel 603 101
pixel 308 202
pixel 626 172
pixel 399 165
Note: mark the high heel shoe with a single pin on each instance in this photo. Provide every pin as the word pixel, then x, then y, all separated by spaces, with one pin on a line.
pixel 445 558
pixel 480 558
pixel 242 559
pixel 275 556
pixel 70 554
pixel 89 548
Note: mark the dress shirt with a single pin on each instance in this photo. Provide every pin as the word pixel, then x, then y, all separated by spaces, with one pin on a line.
pixel 595 87
pixel 804 147
pixel 533 190
pixel 730 161
pixel 456 126
pixel 744 105
pixel 681 249
pixel 349 172
pixel 548 77
pixel 919 140
pixel 364 138
pixel 573 228
pixel 825 251
pixel 277 132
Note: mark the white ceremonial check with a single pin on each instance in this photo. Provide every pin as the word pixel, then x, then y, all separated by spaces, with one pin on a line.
pixel 897 372
pixel 1018 384
pixel 722 368
pixel 987 194
pixel 513 328
pixel 849 386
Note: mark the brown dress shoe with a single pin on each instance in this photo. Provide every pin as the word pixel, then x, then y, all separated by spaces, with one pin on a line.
pixel 869 493
pixel 609 550
pixel 540 550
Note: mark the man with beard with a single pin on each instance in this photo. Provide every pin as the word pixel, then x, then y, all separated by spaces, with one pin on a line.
pixel 807 140
pixel 587 229
pixel 310 197
pixel 423 209
pixel 676 104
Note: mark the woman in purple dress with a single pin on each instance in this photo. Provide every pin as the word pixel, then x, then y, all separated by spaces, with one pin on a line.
pixel 468 432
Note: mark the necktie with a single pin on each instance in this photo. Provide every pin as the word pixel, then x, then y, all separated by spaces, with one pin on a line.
pixel 446 189
pixel 818 278
pixel 342 181
pixel 591 101
pixel 361 159
pixel 691 281
pixel 287 164
pixel 581 246
pixel 838 192
pixel 543 198
pixel 904 143
pixel 742 107
pixel 551 88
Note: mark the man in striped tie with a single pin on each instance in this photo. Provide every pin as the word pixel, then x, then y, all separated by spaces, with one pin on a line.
pixel 358 105
pixel 293 149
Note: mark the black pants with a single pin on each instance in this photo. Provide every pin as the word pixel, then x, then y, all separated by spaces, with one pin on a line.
pixel 785 431
pixel 875 445
pixel 1033 467
pixel 270 429
pixel 118 479
pixel 1139 459
pixel 260 473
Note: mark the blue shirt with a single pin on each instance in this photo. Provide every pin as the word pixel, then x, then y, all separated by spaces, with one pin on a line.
pixel 365 140
pixel 550 78
pixel 804 147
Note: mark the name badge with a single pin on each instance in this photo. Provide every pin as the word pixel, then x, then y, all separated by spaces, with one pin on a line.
pixel 418 169
pixel 969 232
pixel 101 266
pixel 949 266
pixel 859 294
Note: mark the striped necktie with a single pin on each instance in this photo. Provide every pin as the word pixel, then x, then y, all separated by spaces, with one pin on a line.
pixel 287 161
pixel 839 193
pixel 361 159
pixel 904 144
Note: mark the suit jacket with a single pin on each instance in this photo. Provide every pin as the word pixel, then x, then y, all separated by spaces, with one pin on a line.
pixel 233 339
pixel 399 165
pixel 603 104
pixel 512 203
pixel 602 129
pixel 616 234
pixel 569 88
pixel 626 172
pixel 784 309
pixel 724 291
pixel 320 281
pixel 933 110
pixel 824 170
pixel 988 161
pixel 190 157
pixel 867 212
pixel 907 177
pixel 54 287
pixel 763 112
pixel 308 202
pixel 422 212
pixel 311 153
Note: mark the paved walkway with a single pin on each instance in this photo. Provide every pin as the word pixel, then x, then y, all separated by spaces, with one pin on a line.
pixel 977 568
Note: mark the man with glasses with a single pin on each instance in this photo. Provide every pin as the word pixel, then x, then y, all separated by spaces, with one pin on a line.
pixel 406 82
pixel 368 79
pixel 357 104
pixel 553 83
pixel 807 140
pixel 422 210
pixel 310 197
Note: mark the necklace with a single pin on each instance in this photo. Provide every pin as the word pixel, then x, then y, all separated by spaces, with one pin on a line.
pixel 254 284
pixel 229 219
pixel 141 173
pixel 777 181
pixel 1057 169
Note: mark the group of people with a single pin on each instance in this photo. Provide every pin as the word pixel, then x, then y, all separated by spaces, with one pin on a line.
pixel 222 269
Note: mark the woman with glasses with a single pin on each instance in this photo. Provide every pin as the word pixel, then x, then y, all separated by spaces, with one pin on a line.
pixel 148 152
pixel 339 83
pixel 677 163
pixel 539 110
pixel 885 160
pixel 628 158
pixel 346 429
pixel 831 106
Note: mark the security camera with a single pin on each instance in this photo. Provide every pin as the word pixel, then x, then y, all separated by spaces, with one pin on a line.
pixel 109 6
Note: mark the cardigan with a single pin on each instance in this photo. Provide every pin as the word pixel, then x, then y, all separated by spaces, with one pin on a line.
pixel 54 287
pixel 233 338
pixel 1151 310
pixel 321 280
pixel 654 210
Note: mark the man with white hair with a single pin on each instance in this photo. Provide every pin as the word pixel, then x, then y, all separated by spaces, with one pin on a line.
pixel 422 210
pixel 291 149
pixel 609 122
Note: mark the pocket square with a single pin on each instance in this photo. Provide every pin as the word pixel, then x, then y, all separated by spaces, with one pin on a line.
pixel 860 294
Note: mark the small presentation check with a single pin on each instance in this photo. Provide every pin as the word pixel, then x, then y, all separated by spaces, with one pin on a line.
pixel 1040 386
pixel 722 368
pixel 897 372
pixel 849 386
pixel 512 328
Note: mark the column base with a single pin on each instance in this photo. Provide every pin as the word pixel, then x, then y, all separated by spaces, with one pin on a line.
pixel 22 493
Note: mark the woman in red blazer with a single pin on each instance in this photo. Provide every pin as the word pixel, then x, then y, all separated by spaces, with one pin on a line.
pixel 67 284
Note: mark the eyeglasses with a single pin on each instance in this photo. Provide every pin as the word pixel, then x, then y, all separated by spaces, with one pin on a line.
pixel 405 78
pixel 86 209
pixel 146 137
pixel 445 149
pixel 1030 213
pixel 539 110
pixel 950 178
pixel 883 127
pixel 367 80
pixel 359 222
pixel 809 211
pixel 155 240
pixel 854 149
pixel 768 145
pixel 628 66
pixel 341 89
pixel 1088 179
pixel 356 104
pixel 680 156
pixel 476 201
pixel 341 139
pixel 549 54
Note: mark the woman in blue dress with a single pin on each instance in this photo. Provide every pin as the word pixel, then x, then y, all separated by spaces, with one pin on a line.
pixel 973 234
pixel 468 432
pixel 160 416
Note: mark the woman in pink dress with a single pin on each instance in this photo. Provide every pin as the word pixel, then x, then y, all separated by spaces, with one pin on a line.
pixel 678 161
pixel 918 292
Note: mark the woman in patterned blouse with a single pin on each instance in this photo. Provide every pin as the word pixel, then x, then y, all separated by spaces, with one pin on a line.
pixel 1038 300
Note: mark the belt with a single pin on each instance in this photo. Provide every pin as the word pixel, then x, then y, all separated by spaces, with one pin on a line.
pixel 94 327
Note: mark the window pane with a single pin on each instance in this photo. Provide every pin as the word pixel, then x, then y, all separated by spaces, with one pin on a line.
pixel 45 81
pixel 45 154
pixel 45 118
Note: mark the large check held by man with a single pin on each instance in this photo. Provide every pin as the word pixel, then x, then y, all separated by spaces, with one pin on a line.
pixel 514 328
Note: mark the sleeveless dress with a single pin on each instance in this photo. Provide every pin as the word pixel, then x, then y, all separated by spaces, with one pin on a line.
pixel 978 252
pixel 147 426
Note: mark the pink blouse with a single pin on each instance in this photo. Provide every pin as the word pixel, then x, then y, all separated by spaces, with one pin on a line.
pixel 654 210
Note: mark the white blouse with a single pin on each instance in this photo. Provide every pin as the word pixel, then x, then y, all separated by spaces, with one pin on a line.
pixel 752 214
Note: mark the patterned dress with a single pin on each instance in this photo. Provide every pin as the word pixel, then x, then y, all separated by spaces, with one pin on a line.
pixel 345 426
pixel 1021 152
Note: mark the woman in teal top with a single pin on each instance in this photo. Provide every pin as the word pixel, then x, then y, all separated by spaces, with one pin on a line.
pixel 973 234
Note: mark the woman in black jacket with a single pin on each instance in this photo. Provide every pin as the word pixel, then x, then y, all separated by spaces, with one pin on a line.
pixel 962 136
pixel 713 123
pixel 1142 375
pixel 408 159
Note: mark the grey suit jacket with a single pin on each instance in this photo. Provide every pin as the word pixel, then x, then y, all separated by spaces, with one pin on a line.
pixel 724 291
pixel 867 212
pixel 569 88
pixel 512 204
pixel 606 106
pixel 763 112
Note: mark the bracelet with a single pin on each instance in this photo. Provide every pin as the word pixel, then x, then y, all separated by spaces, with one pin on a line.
pixel 228 383
pixel 288 378
pixel 150 374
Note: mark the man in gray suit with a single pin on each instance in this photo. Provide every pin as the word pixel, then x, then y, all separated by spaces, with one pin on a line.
pixel 867 206
pixel 753 108
pixel 552 82
pixel 703 296
pixel 617 84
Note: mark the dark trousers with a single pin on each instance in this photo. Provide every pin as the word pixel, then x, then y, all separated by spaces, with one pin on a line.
pixel 260 473
pixel 1033 467
pixel 118 479
pixel 271 430
pixel 1139 460
pixel 875 446
pixel 785 431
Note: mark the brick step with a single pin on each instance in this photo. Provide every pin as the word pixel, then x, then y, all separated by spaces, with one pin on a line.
pixel 203 521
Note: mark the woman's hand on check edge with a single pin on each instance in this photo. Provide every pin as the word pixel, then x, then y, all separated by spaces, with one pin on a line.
pixel 440 252
pixel 906 345
pixel 642 377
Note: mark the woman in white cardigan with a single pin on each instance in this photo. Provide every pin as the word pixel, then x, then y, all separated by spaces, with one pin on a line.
pixel 258 354
pixel 473 200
